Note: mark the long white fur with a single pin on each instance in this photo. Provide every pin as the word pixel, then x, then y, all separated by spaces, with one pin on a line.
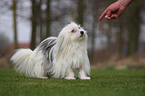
pixel 69 54
pixel 29 62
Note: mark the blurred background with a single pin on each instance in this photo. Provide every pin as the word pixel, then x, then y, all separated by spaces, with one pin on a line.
pixel 116 43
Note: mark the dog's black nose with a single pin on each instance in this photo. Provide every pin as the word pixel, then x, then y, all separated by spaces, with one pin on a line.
pixel 82 32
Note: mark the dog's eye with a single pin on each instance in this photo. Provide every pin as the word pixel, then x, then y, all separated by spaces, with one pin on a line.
pixel 73 31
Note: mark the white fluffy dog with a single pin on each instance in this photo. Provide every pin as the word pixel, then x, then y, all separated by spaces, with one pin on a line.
pixel 57 57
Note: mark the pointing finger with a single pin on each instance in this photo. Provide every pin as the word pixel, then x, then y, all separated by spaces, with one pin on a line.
pixel 102 15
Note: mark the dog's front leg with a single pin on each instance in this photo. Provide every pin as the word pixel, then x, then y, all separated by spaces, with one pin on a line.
pixel 70 74
pixel 82 74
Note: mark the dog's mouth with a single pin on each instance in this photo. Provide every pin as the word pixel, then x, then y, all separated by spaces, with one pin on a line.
pixel 81 35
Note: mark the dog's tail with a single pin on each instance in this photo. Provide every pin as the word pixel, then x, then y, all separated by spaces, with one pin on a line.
pixel 29 62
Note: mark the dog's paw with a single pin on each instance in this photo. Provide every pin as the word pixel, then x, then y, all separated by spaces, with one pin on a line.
pixel 43 77
pixel 85 78
pixel 70 78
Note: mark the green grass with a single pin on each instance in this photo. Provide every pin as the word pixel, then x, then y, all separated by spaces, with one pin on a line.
pixel 103 83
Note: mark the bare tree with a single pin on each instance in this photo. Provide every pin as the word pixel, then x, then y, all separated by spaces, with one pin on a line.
pixel 134 27
pixel 40 20
pixel 48 18
pixel 15 23
pixel 33 34
pixel 4 42
pixel 80 7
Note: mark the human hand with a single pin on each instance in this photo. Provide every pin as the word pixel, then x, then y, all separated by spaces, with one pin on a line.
pixel 115 9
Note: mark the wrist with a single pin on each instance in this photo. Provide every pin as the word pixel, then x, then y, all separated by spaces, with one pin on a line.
pixel 124 3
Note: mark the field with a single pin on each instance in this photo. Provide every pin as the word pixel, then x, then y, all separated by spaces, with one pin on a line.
pixel 103 83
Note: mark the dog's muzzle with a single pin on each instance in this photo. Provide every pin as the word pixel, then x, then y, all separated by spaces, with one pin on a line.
pixel 82 33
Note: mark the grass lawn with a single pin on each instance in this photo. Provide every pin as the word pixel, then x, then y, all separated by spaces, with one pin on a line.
pixel 103 83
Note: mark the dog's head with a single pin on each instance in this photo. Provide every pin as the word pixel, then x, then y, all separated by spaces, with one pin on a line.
pixel 72 35
pixel 73 32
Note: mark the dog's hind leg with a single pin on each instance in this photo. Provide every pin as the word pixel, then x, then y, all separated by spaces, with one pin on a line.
pixel 43 77
pixel 70 74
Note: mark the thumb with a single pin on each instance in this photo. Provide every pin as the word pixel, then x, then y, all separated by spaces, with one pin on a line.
pixel 108 13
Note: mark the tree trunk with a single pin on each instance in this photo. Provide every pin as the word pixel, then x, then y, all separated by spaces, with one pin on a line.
pixel 15 24
pixel 80 5
pixel 73 16
pixel 41 21
pixel 48 19
pixel 119 41
pixel 33 34
pixel 93 36
pixel 134 28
